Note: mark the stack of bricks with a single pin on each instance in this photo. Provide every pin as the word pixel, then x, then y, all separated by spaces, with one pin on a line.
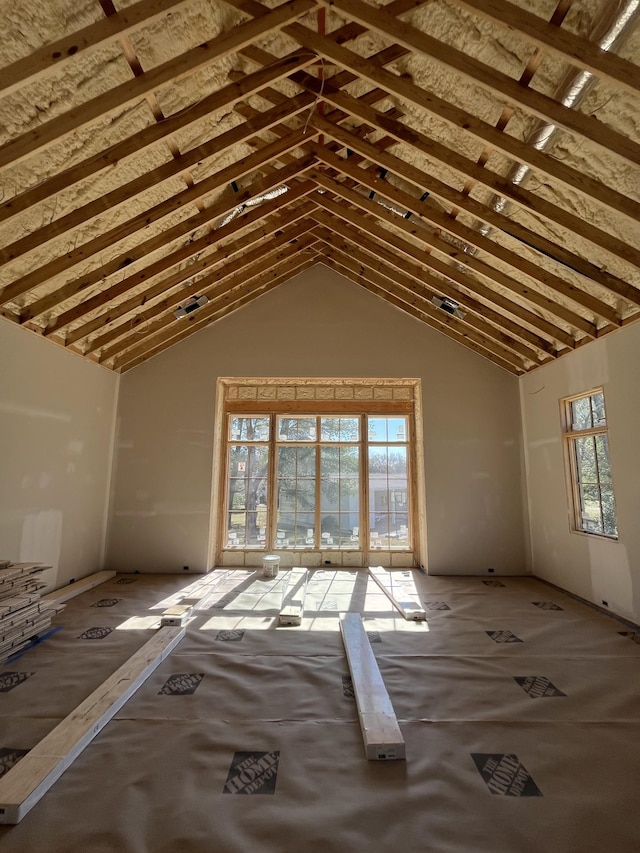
pixel 24 616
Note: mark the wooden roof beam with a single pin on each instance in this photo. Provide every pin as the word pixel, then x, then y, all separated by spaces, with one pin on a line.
pixel 247 85
pixel 405 250
pixel 457 118
pixel 168 72
pixel 53 56
pixel 447 269
pixel 230 309
pixel 212 284
pixel 493 181
pixel 572 48
pixel 363 281
pixel 483 131
pixel 342 79
pixel 125 192
pixel 204 263
pixel 470 236
pixel 184 253
pixel 125 229
pixel 225 97
pixel 416 292
pixel 440 321
pixel 248 288
pixel 448 195
pixel 442 222
pixel 499 84
pixel 219 291
pixel 345 237
pixel 453 252
pixel 348 32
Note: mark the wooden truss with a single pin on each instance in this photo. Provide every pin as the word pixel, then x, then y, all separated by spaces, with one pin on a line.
pixel 318 148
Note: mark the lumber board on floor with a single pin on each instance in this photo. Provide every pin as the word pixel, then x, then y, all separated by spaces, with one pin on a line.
pixel 19 603
pixel 177 615
pixel 381 733
pixel 19 638
pixel 24 615
pixel 399 591
pixel 294 592
pixel 19 571
pixel 78 587
pixel 28 780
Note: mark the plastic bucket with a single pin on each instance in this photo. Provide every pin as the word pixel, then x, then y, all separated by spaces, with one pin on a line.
pixel 270 565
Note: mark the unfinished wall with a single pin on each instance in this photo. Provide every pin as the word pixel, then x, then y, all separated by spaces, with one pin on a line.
pixel 318 324
pixel 56 433
pixel 594 568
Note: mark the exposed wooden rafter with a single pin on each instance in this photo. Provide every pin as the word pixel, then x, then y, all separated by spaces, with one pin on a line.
pixel 324 148
pixel 574 49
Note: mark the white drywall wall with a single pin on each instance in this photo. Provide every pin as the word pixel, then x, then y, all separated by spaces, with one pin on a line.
pixel 595 568
pixel 56 435
pixel 318 324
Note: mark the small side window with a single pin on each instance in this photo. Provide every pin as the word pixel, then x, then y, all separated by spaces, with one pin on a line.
pixel 588 467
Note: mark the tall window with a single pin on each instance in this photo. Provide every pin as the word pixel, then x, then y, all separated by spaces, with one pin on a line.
pixel 317 482
pixel 388 485
pixel 248 479
pixel 587 452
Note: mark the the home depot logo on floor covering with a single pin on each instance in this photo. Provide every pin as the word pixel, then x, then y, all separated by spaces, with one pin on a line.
pixel 537 686
pixel 505 775
pixel 253 773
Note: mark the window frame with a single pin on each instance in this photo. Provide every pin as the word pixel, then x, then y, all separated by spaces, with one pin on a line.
pixel 570 436
pixel 325 395
pixel 318 443
pixel 273 443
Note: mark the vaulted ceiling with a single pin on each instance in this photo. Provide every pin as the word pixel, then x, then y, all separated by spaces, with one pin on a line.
pixel 485 151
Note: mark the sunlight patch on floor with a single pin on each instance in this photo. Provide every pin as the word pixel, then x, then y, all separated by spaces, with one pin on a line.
pixel 235 599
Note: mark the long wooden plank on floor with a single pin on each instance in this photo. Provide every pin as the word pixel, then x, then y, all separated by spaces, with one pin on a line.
pixel 78 587
pixel 177 615
pixel 400 593
pixel 294 592
pixel 33 775
pixel 15 642
pixel 381 733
